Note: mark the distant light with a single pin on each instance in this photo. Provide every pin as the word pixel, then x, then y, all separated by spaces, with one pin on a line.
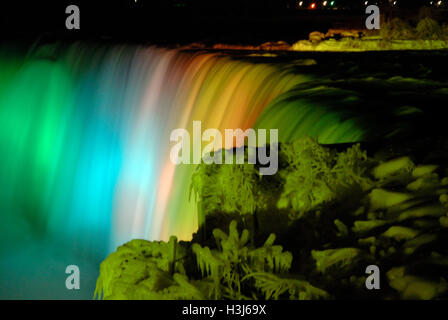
pixel 332 3
pixel 439 3
pixel 324 3
pixel 300 3
pixel 430 2
pixel 313 6
pixel 365 3
pixel 395 2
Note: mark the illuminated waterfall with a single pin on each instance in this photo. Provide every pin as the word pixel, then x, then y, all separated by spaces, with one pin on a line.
pixel 84 134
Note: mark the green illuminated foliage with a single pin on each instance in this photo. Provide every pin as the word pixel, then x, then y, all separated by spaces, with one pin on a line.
pixel 316 176
pixel 341 259
pixel 396 29
pixel 226 188
pixel 142 269
pixel 235 270
pixel 345 211
pixel 351 168
pixel 274 286
pixel 234 260
pixel 428 28
pixel 307 181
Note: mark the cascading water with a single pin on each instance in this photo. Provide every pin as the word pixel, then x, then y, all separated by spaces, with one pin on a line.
pixel 84 134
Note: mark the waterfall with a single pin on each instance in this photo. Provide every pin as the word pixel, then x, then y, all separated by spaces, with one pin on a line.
pixel 85 137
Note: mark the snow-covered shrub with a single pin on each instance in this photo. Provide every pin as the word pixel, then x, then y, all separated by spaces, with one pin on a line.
pixel 396 29
pixel 229 266
pixel 226 187
pixel 316 175
pixel 429 29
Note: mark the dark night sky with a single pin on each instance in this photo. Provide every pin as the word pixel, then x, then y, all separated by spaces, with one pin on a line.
pixel 178 20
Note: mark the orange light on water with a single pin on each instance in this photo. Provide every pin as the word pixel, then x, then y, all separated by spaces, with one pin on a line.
pixel 313 6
